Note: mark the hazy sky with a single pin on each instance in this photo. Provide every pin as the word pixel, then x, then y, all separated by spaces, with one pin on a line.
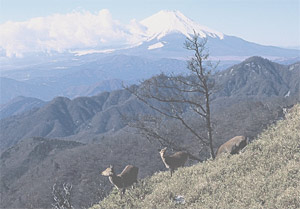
pixel 268 22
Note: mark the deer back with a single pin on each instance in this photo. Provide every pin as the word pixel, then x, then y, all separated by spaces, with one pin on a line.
pixel 129 175
pixel 233 146
pixel 177 159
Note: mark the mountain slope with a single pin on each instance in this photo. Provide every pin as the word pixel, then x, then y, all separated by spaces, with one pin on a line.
pixel 265 175
pixel 18 105
pixel 63 117
pixel 31 167
pixel 11 88
pixel 260 77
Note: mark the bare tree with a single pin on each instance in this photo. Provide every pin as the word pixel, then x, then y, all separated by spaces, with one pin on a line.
pixel 62 196
pixel 176 96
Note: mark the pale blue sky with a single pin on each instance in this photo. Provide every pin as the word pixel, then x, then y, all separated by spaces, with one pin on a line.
pixel 268 22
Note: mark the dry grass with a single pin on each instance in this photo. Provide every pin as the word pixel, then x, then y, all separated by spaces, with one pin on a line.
pixel 265 175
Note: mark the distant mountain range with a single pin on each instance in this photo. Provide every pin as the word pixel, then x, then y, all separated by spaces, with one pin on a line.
pixel 91 71
pixel 91 116
pixel 87 79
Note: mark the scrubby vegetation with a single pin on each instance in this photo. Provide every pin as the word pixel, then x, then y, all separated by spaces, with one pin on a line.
pixel 265 175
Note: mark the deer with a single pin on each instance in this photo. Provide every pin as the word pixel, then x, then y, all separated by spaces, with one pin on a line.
pixel 233 146
pixel 176 160
pixel 123 180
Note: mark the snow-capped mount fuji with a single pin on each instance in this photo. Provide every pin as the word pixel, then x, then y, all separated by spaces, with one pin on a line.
pixel 166 32
pixel 166 22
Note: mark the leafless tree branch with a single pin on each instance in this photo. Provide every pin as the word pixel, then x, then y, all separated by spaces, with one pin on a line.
pixel 62 196
pixel 173 95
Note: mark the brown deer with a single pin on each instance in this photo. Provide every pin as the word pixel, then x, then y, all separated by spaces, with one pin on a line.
pixel 232 146
pixel 123 180
pixel 175 160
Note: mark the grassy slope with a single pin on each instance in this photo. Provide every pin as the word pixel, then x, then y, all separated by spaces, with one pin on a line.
pixel 266 175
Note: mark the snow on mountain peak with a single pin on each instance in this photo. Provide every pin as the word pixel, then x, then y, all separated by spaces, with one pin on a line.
pixel 165 22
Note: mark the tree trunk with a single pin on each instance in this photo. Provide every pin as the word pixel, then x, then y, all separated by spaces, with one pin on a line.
pixel 208 126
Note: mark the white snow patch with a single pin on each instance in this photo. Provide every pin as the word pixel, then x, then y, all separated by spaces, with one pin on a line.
pixel 156 46
pixel 91 51
pixel 292 68
pixel 60 67
pixel 287 94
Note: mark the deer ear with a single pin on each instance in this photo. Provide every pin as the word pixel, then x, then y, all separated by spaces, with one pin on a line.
pixel 111 166
pixel 162 150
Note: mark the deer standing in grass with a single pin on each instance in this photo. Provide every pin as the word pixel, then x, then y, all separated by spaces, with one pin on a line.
pixel 123 180
pixel 175 160
pixel 233 146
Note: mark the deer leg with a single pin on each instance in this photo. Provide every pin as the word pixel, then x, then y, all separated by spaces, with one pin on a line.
pixel 121 193
pixel 133 185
